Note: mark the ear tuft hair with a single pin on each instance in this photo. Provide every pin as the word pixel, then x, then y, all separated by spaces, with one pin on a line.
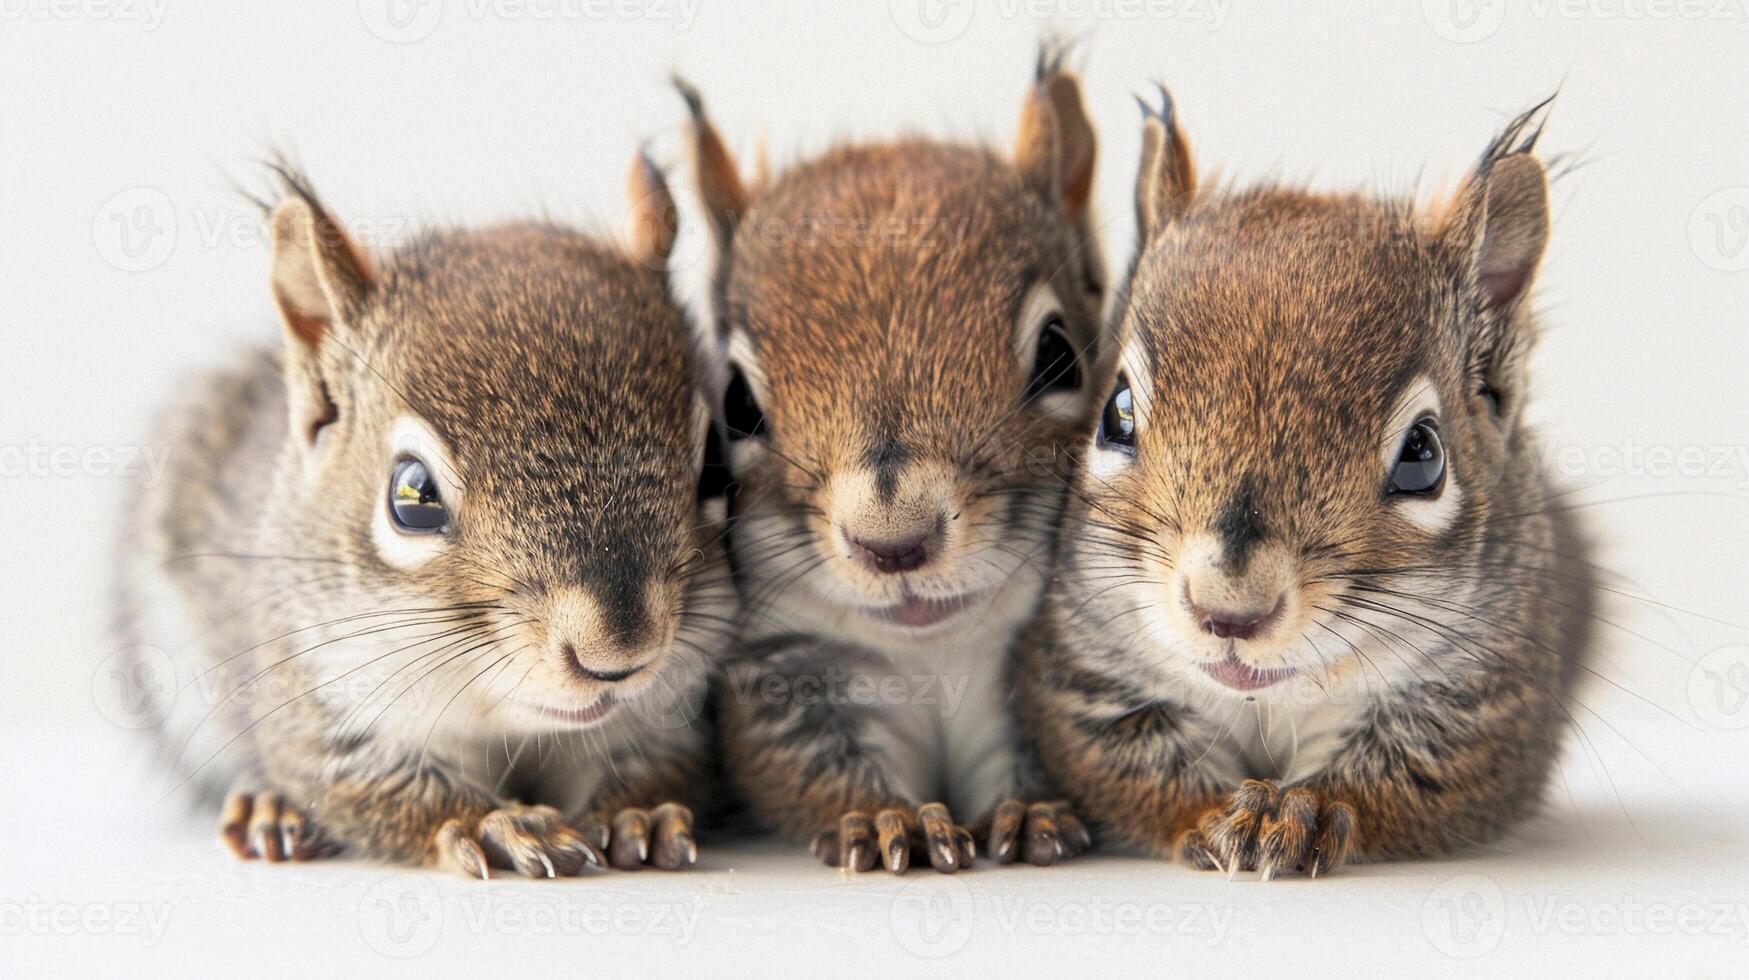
pixel 1056 146
pixel 1520 134
pixel 1053 51
pixel 286 179
pixel 1166 180
pixel 320 276
pixel 1165 112
pixel 690 95
pixel 716 175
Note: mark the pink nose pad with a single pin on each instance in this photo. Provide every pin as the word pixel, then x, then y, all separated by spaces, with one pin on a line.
pixel 889 557
pixel 1231 624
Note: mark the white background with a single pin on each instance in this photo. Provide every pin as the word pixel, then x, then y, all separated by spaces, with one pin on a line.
pixel 474 111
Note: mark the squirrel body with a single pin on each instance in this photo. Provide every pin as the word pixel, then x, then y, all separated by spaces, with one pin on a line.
pixel 435 579
pixel 911 330
pixel 1312 603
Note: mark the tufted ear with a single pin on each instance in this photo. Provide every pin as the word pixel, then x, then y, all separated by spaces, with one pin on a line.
pixel 1497 229
pixel 320 282
pixel 1166 181
pixel 1055 148
pixel 1499 221
pixel 654 221
pixel 1515 229
pixel 719 179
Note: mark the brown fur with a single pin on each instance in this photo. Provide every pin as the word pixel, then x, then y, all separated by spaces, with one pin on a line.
pixel 1275 331
pixel 872 298
pixel 555 371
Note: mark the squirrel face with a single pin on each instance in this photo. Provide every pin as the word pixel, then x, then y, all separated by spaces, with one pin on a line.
pixel 503 422
pixel 1315 395
pixel 912 339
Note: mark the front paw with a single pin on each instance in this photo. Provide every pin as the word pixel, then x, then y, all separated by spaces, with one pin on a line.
pixel 263 825
pixel 531 840
pixel 1042 833
pixel 1263 827
pixel 892 837
pixel 634 838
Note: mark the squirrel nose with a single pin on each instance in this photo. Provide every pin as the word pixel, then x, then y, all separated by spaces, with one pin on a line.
pixel 1233 624
pixel 891 556
pixel 568 654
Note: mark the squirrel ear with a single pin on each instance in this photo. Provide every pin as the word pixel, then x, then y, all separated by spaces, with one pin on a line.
pixel 320 282
pixel 718 178
pixel 1515 229
pixel 1499 221
pixel 320 278
pixel 654 222
pixel 1495 230
pixel 1056 147
pixel 1166 182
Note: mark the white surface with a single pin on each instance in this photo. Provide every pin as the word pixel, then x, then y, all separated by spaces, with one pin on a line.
pixel 157 892
pixel 492 113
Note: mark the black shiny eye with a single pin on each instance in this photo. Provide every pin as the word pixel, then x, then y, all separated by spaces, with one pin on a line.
pixel 741 413
pixel 414 503
pixel 1055 367
pixel 1420 467
pixel 1117 424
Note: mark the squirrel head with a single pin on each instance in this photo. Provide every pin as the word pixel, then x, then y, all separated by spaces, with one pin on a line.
pixel 912 337
pixel 1314 421
pixel 502 423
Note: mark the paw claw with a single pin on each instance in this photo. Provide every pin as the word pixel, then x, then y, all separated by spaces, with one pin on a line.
pixel 941 834
pixel 529 840
pixel 1039 833
pixel 263 826
pixel 1264 828
pixel 635 838
pixel 891 838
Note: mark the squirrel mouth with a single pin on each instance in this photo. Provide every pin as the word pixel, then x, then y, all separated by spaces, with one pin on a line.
pixel 586 715
pixel 919 612
pixel 1241 676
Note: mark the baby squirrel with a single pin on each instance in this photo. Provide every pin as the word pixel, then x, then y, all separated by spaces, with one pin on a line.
pixel 441 561
pixel 1311 602
pixel 911 331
